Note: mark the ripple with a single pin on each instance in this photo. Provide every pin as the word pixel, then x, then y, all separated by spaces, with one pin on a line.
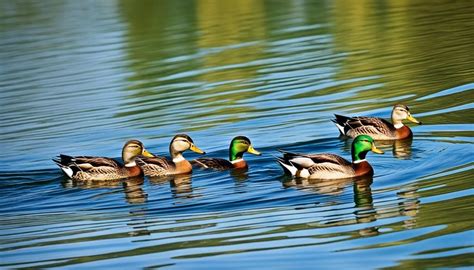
pixel 81 79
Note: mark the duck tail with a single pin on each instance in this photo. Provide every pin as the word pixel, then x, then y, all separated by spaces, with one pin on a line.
pixel 69 171
pixel 340 122
pixel 66 164
pixel 287 166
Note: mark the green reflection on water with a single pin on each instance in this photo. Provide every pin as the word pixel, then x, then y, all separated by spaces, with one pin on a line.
pixel 201 61
pixel 416 48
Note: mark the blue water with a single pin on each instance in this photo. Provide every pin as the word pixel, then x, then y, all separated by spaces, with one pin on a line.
pixel 82 77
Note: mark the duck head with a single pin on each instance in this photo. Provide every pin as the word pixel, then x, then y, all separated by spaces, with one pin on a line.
pixel 181 143
pixel 361 145
pixel 131 150
pixel 401 112
pixel 240 145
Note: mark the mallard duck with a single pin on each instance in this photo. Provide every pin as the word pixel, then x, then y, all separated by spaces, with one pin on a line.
pixel 331 166
pixel 378 128
pixel 238 146
pixel 88 168
pixel 161 166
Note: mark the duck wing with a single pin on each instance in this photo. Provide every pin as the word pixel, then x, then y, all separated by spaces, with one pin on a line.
pixel 212 163
pixel 329 158
pixel 353 126
pixel 155 166
pixel 307 160
pixel 317 165
pixel 85 167
pixel 330 166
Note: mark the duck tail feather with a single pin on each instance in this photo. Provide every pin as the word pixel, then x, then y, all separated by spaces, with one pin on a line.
pixel 287 166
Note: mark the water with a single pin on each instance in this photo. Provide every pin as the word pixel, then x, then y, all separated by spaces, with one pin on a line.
pixel 82 77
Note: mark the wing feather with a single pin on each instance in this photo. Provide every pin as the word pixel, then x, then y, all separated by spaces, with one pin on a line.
pixel 353 126
pixel 90 167
pixel 93 161
pixel 213 163
pixel 155 166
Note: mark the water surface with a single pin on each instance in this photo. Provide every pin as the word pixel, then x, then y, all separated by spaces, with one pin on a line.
pixel 82 77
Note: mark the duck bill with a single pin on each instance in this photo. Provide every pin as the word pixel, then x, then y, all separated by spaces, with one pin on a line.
pixel 376 150
pixel 196 149
pixel 252 150
pixel 413 119
pixel 147 154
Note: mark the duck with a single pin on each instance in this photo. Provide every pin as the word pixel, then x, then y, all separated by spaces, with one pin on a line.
pixel 238 146
pixel 331 166
pixel 378 128
pixel 161 166
pixel 92 168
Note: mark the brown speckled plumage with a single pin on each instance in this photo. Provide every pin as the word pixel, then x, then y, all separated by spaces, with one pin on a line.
pixel 377 128
pixel 213 163
pixel 86 168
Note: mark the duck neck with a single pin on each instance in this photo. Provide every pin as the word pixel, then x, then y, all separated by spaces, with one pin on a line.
pixel 181 164
pixel 128 159
pixel 239 163
pixel 234 154
pixel 358 155
pixel 176 155
pixel 133 171
pixel 397 123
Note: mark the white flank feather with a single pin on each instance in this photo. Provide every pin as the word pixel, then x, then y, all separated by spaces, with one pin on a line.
pixel 341 128
pixel 68 171
pixel 292 169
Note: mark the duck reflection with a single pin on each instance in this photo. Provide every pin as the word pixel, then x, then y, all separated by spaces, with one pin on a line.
pixel 364 209
pixel 401 149
pixel 134 193
pixel 323 187
pixel 132 187
pixel 240 177
pixel 181 185
pixel 409 205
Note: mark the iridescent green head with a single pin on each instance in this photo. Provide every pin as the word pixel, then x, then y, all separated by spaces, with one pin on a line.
pixel 238 146
pixel 361 145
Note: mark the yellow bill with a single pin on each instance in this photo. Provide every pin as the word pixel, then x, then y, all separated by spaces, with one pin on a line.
pixel 146 153
pixel 413 119
pixel 196 149
pixel 252 150
pixel 376 150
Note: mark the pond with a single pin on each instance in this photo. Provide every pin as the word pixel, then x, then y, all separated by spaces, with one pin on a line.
pixel 83 77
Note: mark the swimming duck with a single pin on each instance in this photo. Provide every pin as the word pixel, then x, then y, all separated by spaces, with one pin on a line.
pixel 161 166
pixel 378 128
pixel 88 168
pixel 238 146
pixel 331 166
